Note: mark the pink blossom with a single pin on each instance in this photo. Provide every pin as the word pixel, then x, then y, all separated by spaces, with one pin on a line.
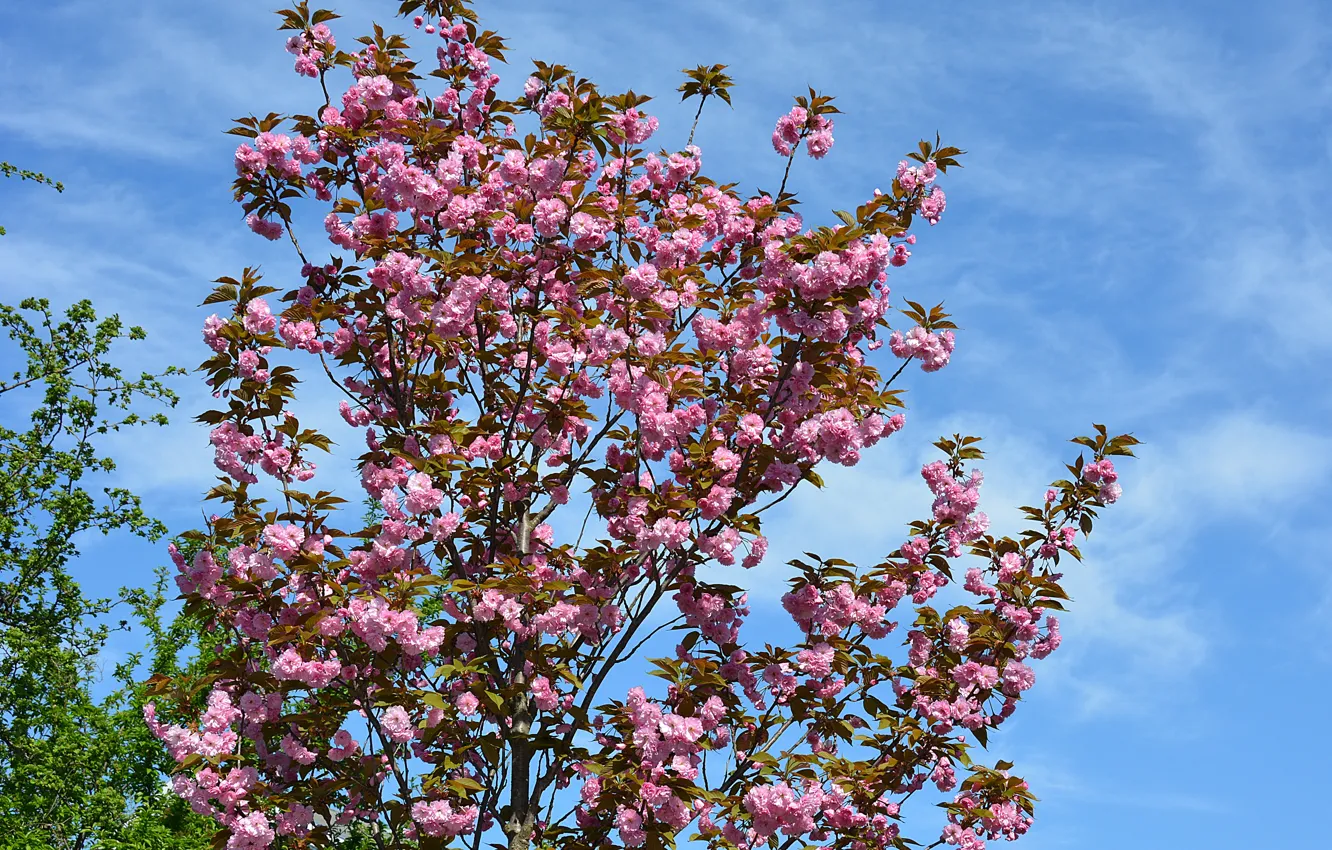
pixel 284 540
pixel 289 665
pixel 343 746
pixel 468 705
pixel 299 753
pixel 820 139
pixel 933 350
pixel 550 215
pixel 421 496
pixel 438 818
pixel 789 129
pixel 932 205
pixel 211 333
pixel 543 694
pixel 264 227
pixel 397 725
pixel 445 526
pixel 630 825
pixel 1018 677
pixel 915 550
pixel 250 832
pixel 302 335
pixel 816 661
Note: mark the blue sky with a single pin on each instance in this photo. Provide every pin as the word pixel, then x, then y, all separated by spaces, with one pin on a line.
pixel 1140 237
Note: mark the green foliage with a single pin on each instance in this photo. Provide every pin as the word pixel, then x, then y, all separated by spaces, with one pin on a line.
pixel 706 80
pixel 8 170
pixel 75 771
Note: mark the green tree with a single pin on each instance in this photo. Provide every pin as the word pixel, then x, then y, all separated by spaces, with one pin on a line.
pixel 76 770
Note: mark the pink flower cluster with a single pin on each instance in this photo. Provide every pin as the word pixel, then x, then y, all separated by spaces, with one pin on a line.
pixel 838 437
pixel 437 818
pixel 931 350
pixel 1103 474
pixel 830 611
pixel 310 48
pixel 797 126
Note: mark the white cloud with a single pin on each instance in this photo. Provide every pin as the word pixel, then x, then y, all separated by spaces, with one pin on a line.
pixel 1278 282
pixel 154 76
pixel 1136 609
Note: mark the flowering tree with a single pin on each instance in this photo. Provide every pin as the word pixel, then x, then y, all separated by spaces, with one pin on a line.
pixel 583 372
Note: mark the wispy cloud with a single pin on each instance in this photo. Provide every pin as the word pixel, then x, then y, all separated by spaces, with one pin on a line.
pixel 1137 609
pixel 153 81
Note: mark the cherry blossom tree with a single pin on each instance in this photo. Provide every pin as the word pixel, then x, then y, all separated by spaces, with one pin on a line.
pixel 583 373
